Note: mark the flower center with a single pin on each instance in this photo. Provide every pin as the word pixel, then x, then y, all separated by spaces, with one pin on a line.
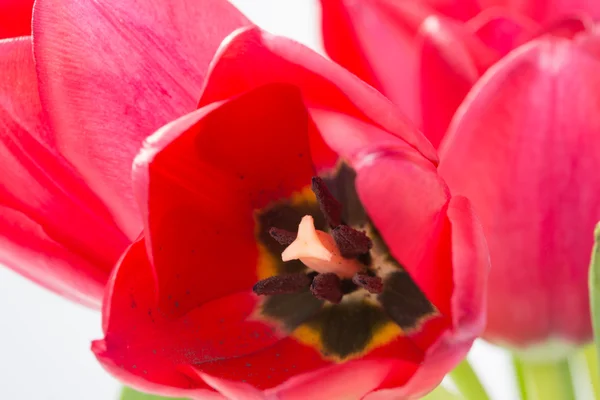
pixel 333 256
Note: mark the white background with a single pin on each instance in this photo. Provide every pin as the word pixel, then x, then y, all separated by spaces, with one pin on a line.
pixel 44 340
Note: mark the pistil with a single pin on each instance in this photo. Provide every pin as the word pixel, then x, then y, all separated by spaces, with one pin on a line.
pixel 318 251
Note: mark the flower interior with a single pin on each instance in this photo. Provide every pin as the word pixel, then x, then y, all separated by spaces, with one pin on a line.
pixel 328 277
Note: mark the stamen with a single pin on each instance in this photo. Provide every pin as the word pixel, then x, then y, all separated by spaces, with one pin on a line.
pixel 318 251
pixel 282 284
pixel 352 243
pixel 330 207
pixel 373 284
pixel 327 287
pixel 282 236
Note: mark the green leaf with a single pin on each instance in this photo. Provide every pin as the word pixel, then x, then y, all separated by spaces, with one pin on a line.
pixel 594 286
pixel 130 394
pixel 467 382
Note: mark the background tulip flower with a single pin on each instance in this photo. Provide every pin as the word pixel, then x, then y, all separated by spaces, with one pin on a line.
pixel 525 147
pixel 522 144
pixel 72 121
pixel 425 55
pixel 202 302
pixel 15 18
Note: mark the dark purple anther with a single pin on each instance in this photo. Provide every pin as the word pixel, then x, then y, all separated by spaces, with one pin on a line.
pixel 327 287
pixel 330 207
pixel 352 243
pixel 282 284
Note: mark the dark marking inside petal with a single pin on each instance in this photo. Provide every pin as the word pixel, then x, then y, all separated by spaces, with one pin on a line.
pixel 286 216
pixel 403 301
pixel 327 287
pixel 330 207
pixel 373 284
pixel 348 328
pixel 350 242
pixel 292 309
pixel 281 284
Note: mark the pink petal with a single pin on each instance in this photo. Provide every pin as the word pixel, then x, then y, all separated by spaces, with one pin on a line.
pixel 548 10
pixel 350 381
pixel 458 9
pixel 376 41
pixel 15 18
pixel 54 230
pixel 251 58
pixel 113 72
pixel 452 59
pixel 524 149
pixel 232 389
pixel 501 29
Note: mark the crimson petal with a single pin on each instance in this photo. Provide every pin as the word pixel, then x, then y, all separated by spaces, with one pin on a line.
pixel 200 179
pixel 250 58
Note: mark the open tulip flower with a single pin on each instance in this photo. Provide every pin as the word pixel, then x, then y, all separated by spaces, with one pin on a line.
pixel 510 89
pixel 284 235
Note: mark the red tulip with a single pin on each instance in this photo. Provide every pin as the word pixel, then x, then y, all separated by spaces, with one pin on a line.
pixel 72 122
pixel 414 50
pixel 521 144
pixel 203 302
pixel 15 18
pixel 525 148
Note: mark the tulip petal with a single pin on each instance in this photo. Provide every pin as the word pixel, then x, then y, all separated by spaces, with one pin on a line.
pixel 54 230
pixel 349 381
pixel 452 59
pixel 251 58
pixel 15 18
pixel 202 177
pixel 405 201
pixel 140 346
pixel 501 29
pixel 524 149
pixel 233 390
pixel 470 266
pixel 548 10
pixel 111 73
pixel 376 41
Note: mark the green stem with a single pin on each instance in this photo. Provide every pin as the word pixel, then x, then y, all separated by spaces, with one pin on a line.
pixel 441 393
pixel 548 381
pixel 594 288
pixel 467 382
pixel 520 378
pixel 592 366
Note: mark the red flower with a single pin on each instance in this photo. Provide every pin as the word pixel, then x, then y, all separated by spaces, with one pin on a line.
pixel 530 130
pixel 180 310
pixel 15 18
pixel 522 145
pixel 384 299
pixel 414 50
pixel 67 140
